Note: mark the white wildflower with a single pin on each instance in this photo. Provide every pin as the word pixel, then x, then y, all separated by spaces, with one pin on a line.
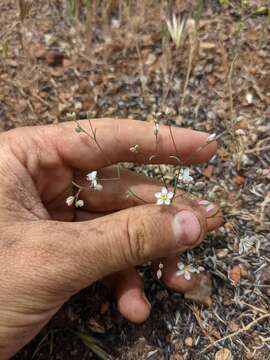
pixel 211 138
pixel 79 203
pixel 92 178
pixel 164 197
pixel 186 270
pixel 70 200
pixel 246 244
pixel 184 176
pixel 134 149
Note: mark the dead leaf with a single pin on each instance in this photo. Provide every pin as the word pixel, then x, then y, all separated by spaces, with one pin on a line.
pixel 201 293
pixel 239 180
pixel 235 274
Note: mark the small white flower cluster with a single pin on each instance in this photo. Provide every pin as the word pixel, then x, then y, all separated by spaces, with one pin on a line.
pixel 92 178
pixel 187 270
pixel 73 199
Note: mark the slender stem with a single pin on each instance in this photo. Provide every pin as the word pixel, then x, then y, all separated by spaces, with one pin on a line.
pixel 136 196
pixel 94 136
pixel 77 185
pixel 174 144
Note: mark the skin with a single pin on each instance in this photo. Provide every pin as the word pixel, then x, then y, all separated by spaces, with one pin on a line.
pixel 49 251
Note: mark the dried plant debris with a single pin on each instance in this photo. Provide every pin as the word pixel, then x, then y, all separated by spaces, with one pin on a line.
pixel 196 64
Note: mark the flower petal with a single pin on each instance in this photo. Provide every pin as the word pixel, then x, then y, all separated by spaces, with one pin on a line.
pixel 160 202
pixel 158 195
pixel 179 273
pixel 170 195
pixel 180 266
pixel 167 202
pixel 187 275
pixel 164 191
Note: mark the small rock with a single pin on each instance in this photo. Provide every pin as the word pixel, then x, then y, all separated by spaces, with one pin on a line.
pixel 78 105
pixel 150 59
pixel 189 341
pixel 202 293
pixel 223 354
pixel 222 253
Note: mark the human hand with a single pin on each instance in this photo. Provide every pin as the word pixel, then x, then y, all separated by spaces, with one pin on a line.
pixel 49 251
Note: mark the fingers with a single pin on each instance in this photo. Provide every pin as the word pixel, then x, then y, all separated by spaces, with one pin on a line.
pixel 128 285
pixel 131 300
pixel 116 137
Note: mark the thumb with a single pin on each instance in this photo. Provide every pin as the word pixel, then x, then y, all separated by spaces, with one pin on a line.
pixel 136 235
pixel 71 256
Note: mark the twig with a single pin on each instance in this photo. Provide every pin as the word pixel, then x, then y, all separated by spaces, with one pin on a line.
pixel 232 335
pixel 190 60
pixel 250 151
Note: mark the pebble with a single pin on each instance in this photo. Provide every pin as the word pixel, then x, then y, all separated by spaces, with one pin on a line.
pixel 189 341
pixel 223 354
pixel 222 253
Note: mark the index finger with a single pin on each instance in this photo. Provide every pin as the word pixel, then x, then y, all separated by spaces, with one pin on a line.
pixel 114 138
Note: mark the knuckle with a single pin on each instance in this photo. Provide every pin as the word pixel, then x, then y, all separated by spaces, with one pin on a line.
pixel 139 235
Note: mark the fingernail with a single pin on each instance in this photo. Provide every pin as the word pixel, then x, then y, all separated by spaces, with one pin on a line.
pixel 208 208
pixel 187 228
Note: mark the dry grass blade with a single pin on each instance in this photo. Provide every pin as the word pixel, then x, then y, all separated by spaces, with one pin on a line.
pixel 94 345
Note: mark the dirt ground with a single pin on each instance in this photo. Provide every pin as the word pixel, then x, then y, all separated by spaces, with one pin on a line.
pixel 117 60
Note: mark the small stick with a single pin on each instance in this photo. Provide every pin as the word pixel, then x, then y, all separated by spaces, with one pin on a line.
pixel 245 328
